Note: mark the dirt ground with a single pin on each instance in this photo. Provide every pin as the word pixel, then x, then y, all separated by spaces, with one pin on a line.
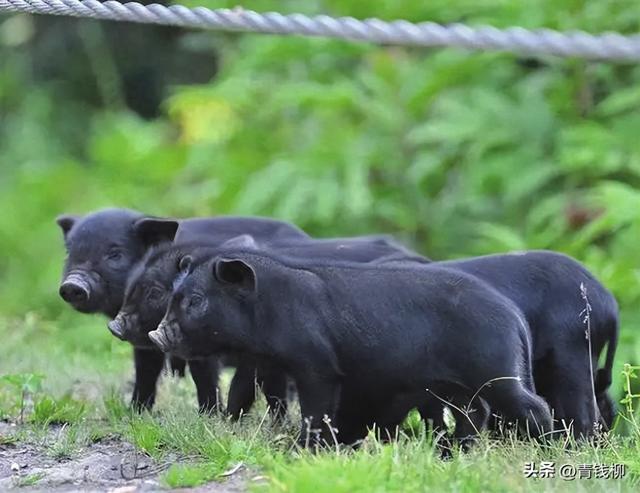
pixel 110 465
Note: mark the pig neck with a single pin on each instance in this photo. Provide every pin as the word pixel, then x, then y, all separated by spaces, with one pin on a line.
pixel 298 331
pixel 117 292
pixel 112 310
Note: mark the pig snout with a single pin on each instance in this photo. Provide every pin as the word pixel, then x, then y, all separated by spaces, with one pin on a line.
pixel 74 290
pixel 116 326
pixel 160 337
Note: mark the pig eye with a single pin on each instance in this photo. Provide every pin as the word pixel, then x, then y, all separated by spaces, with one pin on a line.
pixel 155 293
pixel 195 301
pixel 115 255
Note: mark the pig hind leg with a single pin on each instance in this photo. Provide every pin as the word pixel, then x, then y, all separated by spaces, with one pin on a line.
pixel 470 416
pixel 571 396
pixel 517 403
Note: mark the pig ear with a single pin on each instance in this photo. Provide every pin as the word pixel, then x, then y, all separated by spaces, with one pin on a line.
pixel 66 222
pixel 153 231
pixel 242 241
pixel 185 262
pixel 236 272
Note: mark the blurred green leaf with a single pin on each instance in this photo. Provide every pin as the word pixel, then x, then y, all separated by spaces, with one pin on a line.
pixel 457 153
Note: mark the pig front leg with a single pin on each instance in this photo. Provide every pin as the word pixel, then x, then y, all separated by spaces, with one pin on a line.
pixel 319 398
pixel 273 382
pixel 148 364
pixel 204 373
pixel 242 392
pixel 178 366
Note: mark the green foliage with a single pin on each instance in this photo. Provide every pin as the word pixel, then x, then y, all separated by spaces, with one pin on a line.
pixel 66 410
pixel 457 153
pixel 24 383
pixel 631 397
pixel 22 387
pixel 26 389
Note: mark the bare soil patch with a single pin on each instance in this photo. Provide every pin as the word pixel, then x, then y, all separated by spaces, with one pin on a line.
pixel 110 465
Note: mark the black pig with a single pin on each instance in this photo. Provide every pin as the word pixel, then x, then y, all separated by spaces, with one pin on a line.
pixel 546 286
pixel 149 289
pixel 341 326
pixel 102 250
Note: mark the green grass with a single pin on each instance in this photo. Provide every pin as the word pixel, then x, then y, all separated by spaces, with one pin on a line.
pixel 67 441
pixel 410 465
pixel 188 475
pixel 48 410
pixel 29 480
pixel 86 385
